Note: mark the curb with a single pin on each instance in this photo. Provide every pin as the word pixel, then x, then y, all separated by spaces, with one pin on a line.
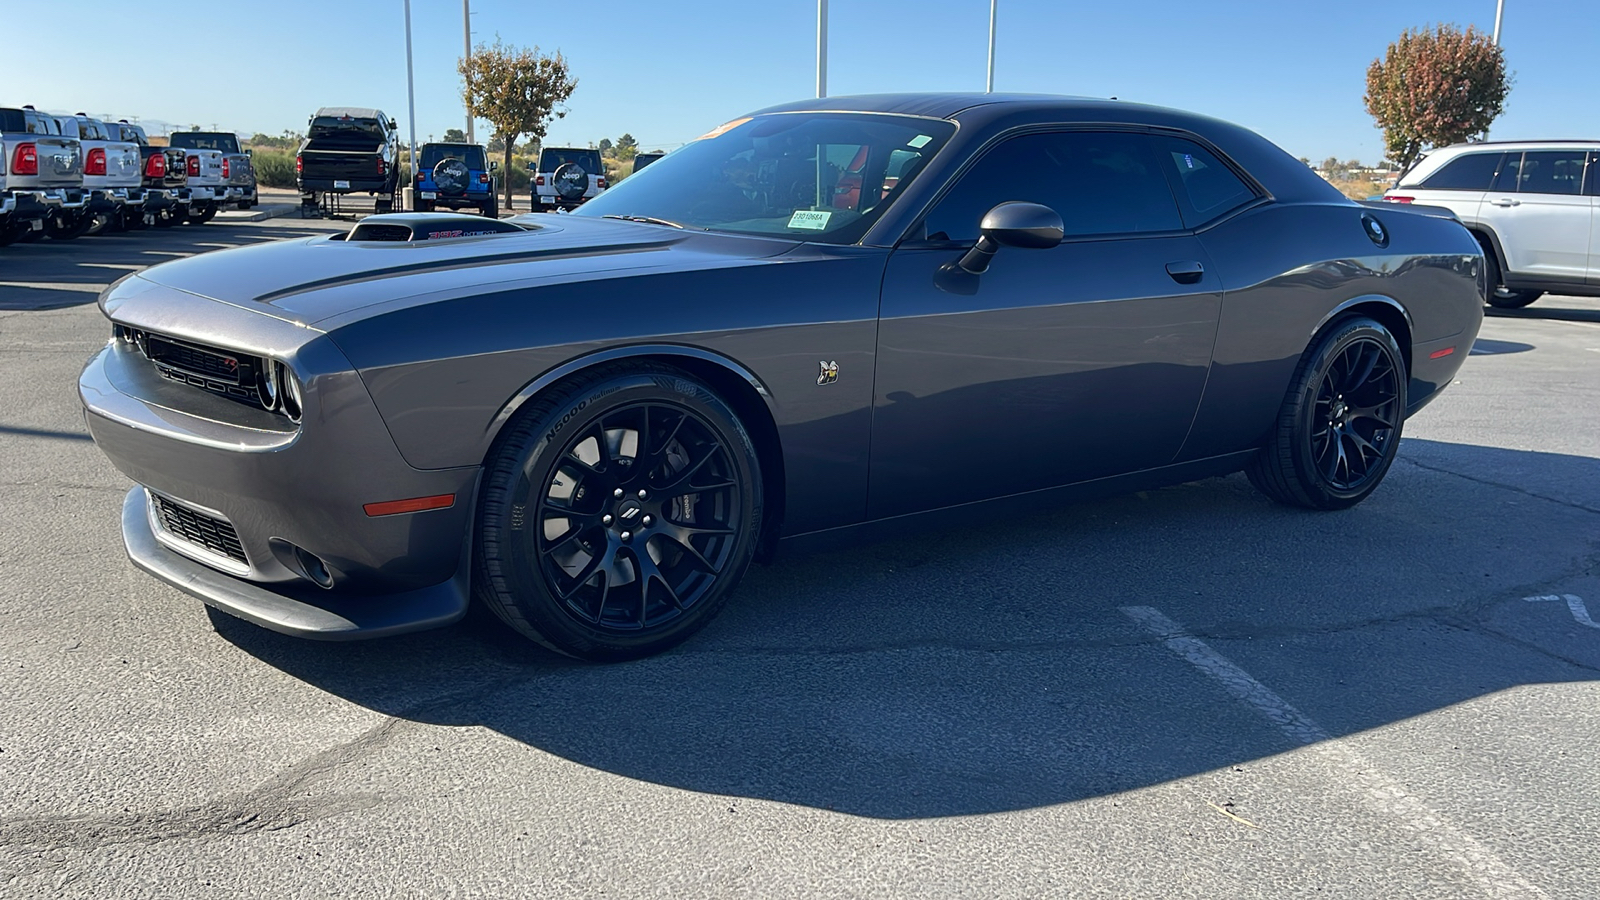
pixel 259 214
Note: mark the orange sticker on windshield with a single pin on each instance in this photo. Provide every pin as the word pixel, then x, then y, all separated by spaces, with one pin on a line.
pixel 721 130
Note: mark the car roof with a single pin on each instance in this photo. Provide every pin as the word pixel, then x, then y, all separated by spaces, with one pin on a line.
pixel 452 144
pixel 570 149
pixel 936 105
pixel 354 112
pixel 1541 144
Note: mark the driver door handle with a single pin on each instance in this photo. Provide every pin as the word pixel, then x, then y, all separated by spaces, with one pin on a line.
pixel 1506 201
pixel 1186 272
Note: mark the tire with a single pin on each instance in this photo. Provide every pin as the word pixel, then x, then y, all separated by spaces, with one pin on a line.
pixel 1355 375
pixel 60 227
pixel 491 209
pixel 202 216
pixel 1500 297
pixel 9 232
pixel 166 218
pixel 693 475
pixel 133 220
pixel 425 206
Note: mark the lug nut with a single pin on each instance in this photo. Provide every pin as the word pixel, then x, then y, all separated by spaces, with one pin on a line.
pixel 606 520
pixel 643 495
pixel 627 536
pixel 617 493
pixel 648 521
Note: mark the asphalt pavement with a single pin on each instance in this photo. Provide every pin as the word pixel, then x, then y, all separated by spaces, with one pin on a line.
pixel 1184 693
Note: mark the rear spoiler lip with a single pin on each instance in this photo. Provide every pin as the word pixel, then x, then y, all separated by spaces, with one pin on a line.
pixel 1437 212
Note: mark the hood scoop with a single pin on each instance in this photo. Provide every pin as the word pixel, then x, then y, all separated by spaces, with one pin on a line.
pixel 410 228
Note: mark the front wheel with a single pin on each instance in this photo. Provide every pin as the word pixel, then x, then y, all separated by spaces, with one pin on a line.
pixel 618 513
pixel 1339 427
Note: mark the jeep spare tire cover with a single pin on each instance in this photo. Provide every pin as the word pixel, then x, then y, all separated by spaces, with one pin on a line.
pixel 571 181
pixel 450 176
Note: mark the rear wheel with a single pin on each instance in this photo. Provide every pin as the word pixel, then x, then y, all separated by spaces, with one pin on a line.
pixel 166 218
pixel 618 513
pixel 425 206
pixel 492 208
pixel 1339 427
pixel 1502 297
pixel 63 226
pixel 202 216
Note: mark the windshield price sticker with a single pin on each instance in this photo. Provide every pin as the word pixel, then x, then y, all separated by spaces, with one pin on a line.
pixel 810 219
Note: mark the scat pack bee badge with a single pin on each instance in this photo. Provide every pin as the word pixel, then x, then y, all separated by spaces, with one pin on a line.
pixel 828 374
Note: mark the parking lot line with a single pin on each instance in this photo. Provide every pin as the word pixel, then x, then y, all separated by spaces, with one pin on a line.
pixel 1382 794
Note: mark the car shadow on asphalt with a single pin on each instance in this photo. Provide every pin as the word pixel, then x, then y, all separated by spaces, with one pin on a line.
pixel 992 668
pixel 1543 310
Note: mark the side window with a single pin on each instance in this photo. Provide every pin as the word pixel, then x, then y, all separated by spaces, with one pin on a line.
pixel 1206 188
pixel 1551 172
pixel 1593 189
pixel 1510 172
pixel 1468 172
pixel 1099 182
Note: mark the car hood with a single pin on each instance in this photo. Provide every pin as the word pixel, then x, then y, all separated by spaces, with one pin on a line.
pixel 326 281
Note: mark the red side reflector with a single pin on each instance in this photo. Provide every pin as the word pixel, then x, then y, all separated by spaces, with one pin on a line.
pixel 1441 353
pixel 415 504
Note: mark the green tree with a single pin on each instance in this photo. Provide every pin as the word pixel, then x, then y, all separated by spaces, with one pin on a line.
pixel 518 90
pixel 626 148
pixel 605 146
pixel 1434 87
pixel 454 136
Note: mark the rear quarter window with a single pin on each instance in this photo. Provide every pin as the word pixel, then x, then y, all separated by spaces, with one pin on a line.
pixel 1468 172
pixel 1205 187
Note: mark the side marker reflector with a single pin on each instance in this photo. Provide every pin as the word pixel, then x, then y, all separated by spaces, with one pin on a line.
pixel 415 504
pixel 1441 353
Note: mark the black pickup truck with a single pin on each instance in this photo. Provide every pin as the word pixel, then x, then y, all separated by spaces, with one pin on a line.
pixel 349 150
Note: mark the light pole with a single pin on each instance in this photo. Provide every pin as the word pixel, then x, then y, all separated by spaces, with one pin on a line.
pixel 822 48
pixel 993 9
pixel 1499 10
pixel 466 54
pixel 411 100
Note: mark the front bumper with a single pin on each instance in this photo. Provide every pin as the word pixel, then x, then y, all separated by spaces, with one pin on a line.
pixel 308 611
pixel 280 487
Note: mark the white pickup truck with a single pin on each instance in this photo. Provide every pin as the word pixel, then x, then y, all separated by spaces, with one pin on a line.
pixel 111 171
pixel 208 190
pixel 44 176
pixel 238 170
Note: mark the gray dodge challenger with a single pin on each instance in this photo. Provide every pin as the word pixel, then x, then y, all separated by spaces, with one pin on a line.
pixel 825 319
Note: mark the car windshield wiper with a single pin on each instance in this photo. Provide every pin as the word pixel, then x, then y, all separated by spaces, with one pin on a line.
pixel 648 220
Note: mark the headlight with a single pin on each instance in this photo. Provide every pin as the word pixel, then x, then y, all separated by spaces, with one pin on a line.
pixel 293 403
pixel 267 384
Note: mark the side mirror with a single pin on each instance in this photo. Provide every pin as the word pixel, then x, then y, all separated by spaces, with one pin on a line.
pixel 250 152
pixel 494 167
pixel 1013 224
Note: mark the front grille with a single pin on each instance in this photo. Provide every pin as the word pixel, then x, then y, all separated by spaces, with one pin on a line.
pixel 192 358
pixel 198 528
pixel 233 375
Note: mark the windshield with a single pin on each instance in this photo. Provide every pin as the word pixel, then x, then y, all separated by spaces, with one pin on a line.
pixel 811 176
pixel 471 154
pixel 194 140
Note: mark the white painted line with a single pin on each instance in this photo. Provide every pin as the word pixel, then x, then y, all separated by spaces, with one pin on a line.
pixel 119 266
pixel 1383 794
pixel 55 286
pixel 1580 612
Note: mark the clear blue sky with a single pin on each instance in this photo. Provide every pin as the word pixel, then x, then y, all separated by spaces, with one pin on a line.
pixel 667 70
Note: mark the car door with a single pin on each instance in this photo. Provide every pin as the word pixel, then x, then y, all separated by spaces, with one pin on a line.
pixel 1054 366
pixel 1538 211
pixel 1592 191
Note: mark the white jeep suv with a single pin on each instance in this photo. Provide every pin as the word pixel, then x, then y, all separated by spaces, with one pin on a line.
pixel 1533 205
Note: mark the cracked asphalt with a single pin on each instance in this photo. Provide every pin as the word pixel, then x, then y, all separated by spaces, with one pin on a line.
pixel 973 712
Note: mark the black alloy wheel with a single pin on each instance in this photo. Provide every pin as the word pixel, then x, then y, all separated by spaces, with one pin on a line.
pixel 1339 428
pixel 618 513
